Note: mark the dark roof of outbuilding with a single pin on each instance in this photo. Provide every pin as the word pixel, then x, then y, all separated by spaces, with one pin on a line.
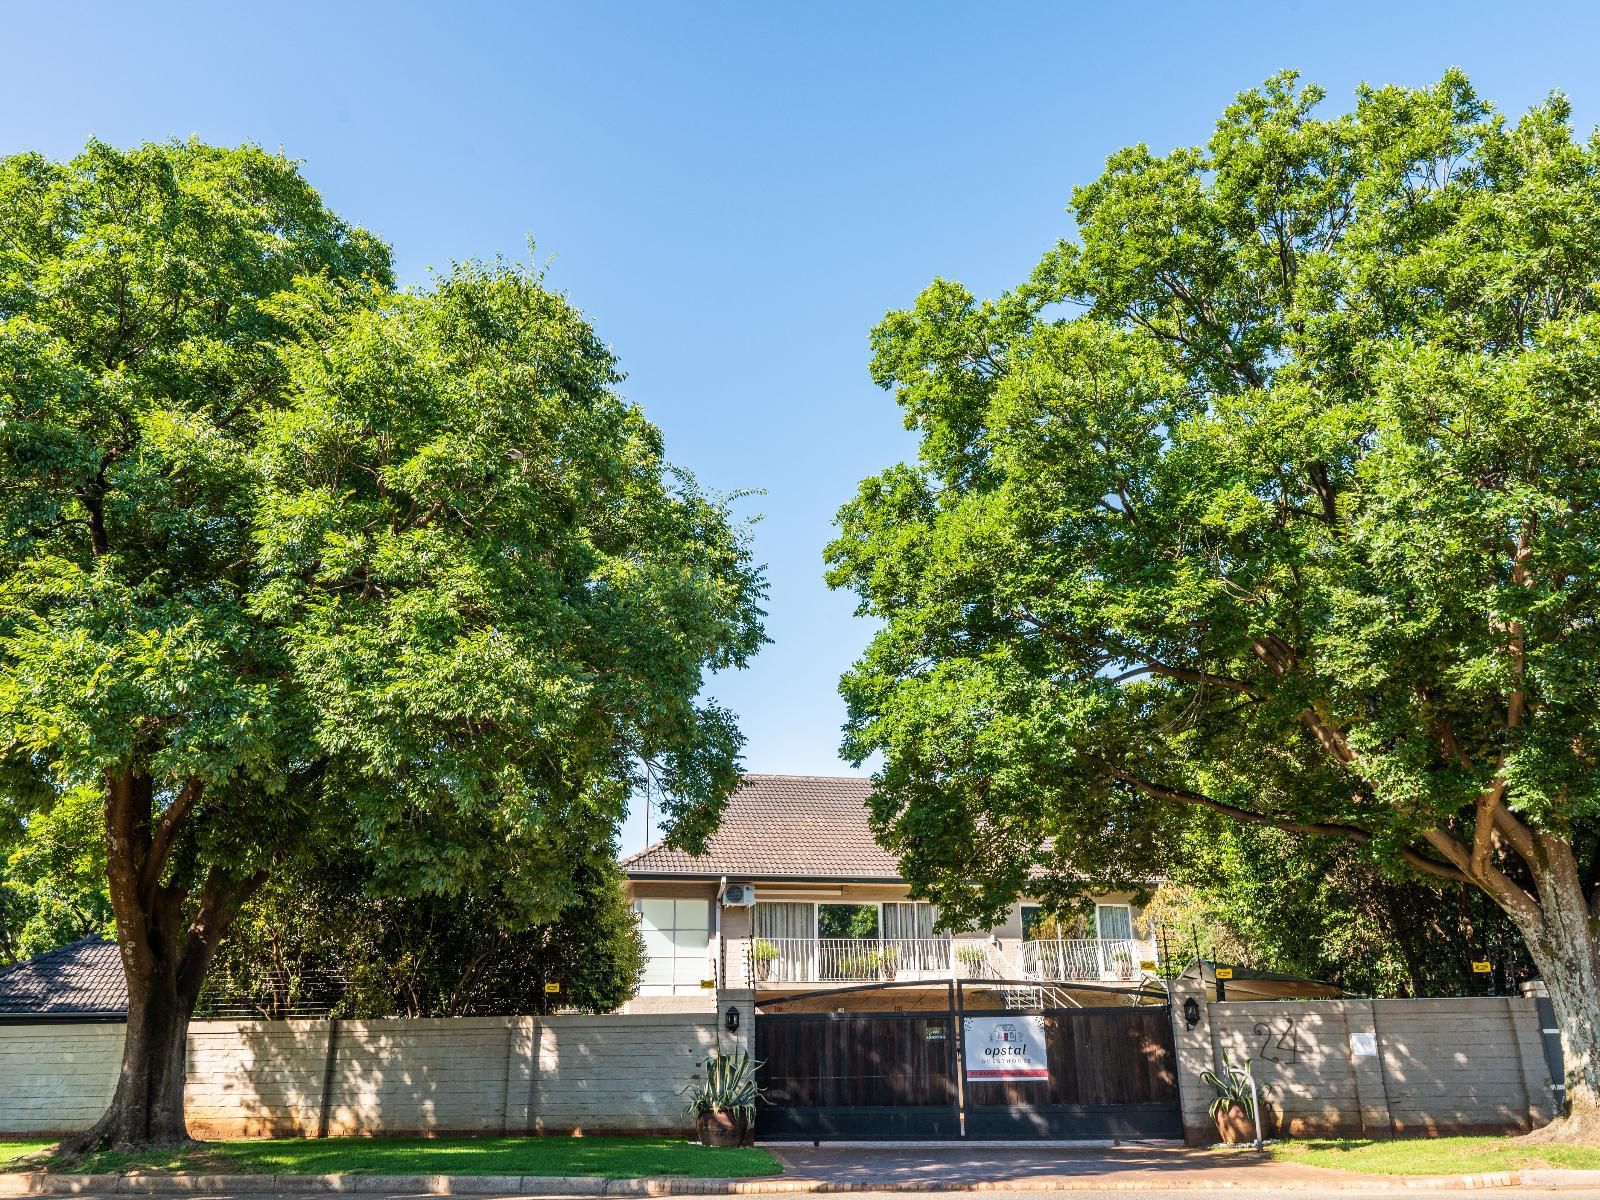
pixel 82 979
pixel 793 827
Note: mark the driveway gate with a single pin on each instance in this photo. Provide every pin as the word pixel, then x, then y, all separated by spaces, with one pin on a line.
pixel 1016 1072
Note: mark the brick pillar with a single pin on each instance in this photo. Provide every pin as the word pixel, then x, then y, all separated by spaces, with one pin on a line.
pixel 1195 1052
pixel 744 999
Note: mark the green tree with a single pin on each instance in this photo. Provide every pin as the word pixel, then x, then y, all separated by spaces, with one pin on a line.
pixel 1273 494
pixel 1321 909
pixel 320 934
pixel 291 558
pixel 53 882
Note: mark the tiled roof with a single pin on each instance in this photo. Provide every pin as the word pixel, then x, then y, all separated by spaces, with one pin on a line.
pixel 783 827
pixel 82 979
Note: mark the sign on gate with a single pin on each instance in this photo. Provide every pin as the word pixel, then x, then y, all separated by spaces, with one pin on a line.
pixel 1008 1047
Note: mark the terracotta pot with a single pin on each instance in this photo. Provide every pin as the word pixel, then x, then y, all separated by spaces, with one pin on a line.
pixel 1236 1128
pixel 719 1129
pixel 763 969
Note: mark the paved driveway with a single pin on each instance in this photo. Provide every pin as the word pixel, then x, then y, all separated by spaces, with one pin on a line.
pixel 1037 1167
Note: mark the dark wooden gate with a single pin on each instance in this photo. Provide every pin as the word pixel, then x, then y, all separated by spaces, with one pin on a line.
pixel 1112 1075
pixel 857 1075
pixel 889 1075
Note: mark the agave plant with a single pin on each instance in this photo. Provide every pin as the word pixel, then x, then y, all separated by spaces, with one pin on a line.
pixel 1231 1088
pixel 727 1084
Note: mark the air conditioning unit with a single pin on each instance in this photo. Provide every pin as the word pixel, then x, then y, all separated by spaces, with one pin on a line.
pixel 738 895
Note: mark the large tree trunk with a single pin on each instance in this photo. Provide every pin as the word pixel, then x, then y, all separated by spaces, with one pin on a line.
pixel 166 946
pixel 147 1107
pixel 1561 940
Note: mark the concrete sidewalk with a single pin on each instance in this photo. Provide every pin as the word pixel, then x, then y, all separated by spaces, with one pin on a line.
pixel 891 1169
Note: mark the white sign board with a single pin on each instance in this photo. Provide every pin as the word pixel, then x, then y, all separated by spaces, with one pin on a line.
pixel 1009 1047
pixel 1363 1045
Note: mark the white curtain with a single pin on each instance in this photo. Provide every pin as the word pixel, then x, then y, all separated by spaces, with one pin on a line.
pixel 784 919
pixel 909 921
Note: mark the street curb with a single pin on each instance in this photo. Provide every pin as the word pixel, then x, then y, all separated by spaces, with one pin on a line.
pixel 38 1184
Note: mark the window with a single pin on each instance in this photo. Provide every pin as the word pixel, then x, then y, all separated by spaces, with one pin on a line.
pixel 1113 922
pixel 677 941
pixel 910 921
pixel 847 920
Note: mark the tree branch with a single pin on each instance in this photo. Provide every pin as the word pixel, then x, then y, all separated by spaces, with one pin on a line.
pixel 1199 800
pixel 166 833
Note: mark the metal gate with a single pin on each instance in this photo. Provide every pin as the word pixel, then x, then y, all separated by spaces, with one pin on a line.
pixel 984 1072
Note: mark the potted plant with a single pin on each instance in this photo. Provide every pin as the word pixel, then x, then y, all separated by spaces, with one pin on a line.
pixel 863 966
pixel 762 955
pixel 722 1100
pixel 972 958
pixel 1233 1111
pixel 890 959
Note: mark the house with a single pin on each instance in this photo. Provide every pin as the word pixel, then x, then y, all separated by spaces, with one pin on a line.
pixel 81 981
pixel 794 898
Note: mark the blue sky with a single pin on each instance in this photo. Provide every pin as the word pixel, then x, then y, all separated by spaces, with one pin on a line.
pixel 736 193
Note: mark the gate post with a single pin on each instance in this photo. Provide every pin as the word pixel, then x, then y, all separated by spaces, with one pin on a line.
pixel 744 999
pixel 1193 1052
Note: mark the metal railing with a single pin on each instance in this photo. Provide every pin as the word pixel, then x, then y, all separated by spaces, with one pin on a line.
pixel 867 960
pixel 1065 959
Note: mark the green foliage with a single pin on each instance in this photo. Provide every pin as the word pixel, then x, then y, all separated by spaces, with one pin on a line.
pixel 322 936
pixel 727 1084
pixel 847 920
pixel 763 951
pixel 52 882
pixel 1320 909
pixel 1273 495
pixel 289 559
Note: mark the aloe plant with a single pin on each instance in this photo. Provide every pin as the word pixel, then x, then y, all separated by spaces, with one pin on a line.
pixel 727 1084
pixel 1231 1088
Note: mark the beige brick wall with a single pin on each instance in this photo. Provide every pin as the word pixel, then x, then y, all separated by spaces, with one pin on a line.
pixel 1441 1066
pixel 558 1074
pixel 56 1078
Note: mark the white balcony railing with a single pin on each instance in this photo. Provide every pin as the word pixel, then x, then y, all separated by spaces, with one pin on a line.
pixel 867 960
pixel 1067 959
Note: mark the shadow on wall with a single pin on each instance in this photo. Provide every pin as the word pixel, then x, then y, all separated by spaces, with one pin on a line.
pixel 256 1078
pixel 470 1075
pixel 1388 1067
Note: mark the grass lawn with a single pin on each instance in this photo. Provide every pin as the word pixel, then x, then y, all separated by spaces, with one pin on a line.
pixel 605 1157
pixel 11 1150
pixel 1432 1156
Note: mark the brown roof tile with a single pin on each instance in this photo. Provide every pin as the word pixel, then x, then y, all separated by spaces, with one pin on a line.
pixel 782 827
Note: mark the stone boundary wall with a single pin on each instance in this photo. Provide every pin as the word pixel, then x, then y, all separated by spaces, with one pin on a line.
pixel 1372 1068
pixel 491 1075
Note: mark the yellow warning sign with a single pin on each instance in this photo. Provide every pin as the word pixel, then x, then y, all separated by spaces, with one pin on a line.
pixel 1481 968
pixel 1224 972
pixel 552 988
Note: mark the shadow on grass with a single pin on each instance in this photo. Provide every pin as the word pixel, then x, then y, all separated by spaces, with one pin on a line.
pixel 600 1157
